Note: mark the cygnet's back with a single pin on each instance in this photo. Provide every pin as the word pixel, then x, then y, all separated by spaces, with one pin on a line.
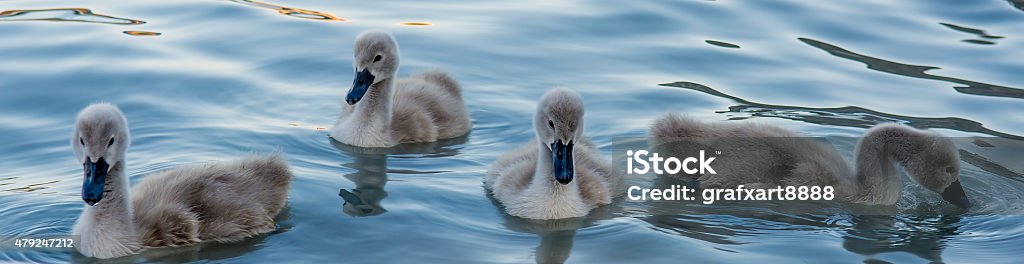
pixel 233 200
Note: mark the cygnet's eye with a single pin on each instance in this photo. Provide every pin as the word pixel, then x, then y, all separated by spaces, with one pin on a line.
pixel 111 142
pixel 551 124
pixel 81 140
pixel 377 58
pixel 950 170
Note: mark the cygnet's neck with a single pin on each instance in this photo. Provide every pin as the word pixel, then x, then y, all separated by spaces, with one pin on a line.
pixel 112 217
pixel 876 177
pixel 374 111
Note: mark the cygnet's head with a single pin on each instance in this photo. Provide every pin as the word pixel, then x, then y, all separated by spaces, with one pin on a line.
pixel 99 141
pixel 559 123
pixel 937 167
pixel 376 59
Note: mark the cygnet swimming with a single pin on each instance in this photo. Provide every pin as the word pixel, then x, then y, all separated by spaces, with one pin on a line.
pixel 559 174
pixel 381 110
pixel 785 158
pixel 222 201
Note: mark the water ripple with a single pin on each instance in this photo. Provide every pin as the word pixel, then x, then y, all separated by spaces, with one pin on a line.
pixel 1018 4
pixel 722 44
pixel 847 116
pixel 291 11
pixel 990 166
pixel 206 92
pixel 32 187
pixel 978 32
pixel 924 237
pixel 66 15
pixel 917 71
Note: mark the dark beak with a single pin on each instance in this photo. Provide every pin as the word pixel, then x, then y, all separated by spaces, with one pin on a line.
pixel 95 179
pixel 359 86
pixel 561 154
pixel 955 194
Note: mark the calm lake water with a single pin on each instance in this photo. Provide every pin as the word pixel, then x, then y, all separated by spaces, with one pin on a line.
pixel 212 80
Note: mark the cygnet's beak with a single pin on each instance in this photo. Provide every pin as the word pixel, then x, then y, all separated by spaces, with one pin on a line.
pixel 361 83
pixel 561 155
pixel 955 194
pixel 95 179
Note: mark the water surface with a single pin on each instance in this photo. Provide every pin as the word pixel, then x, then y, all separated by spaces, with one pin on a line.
pixel 210 80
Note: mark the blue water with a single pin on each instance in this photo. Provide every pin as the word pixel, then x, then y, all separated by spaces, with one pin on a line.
pixel 211 80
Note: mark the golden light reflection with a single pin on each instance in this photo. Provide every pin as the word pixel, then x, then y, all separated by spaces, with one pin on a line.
pixel 60 14
pixel 417 24
pixel 142 33
pixel 291 11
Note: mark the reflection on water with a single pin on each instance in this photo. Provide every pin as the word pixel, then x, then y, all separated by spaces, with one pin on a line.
pixel 1019 4
pixel 978 32
pixel 556 236
pixel 999 156
pixel 291 11
pixel 370 178
pixel 371 165
pixel 417 24
pixel 7 180
pixel 142 33
pixel 31 187
pixel 442 148
pixel 989 166
pixel 65 14
pixel 847 116
pixel 697 227
pixel 925 237
pixel 917 71
pixel 978 41
pixel 864 230
pixel 722 44
pixel 428 199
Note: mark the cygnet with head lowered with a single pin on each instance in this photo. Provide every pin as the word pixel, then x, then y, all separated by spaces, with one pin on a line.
pixel 787 158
